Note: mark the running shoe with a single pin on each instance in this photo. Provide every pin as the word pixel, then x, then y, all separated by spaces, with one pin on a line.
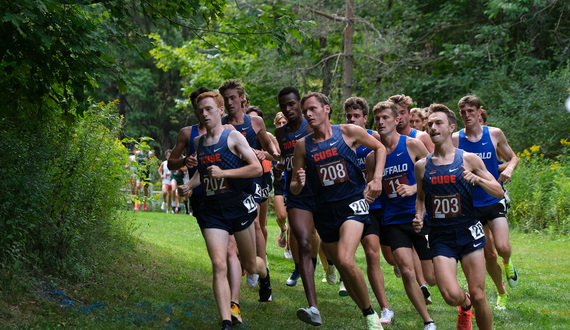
pixel 163 206
pixel 331 275
pixel 511 273
pixel 282 239
pixel 324 280
pixel 464 318
pixel 144 207
pixel 397 272
pixel 288 254
pixel 310 315
pixel 251 279
pixel 265 288
pixel 342 289
pixel 373 322
pixel 501 301
pixel 386 316
pixel 292 280
pixel 236 314
pixel 430 326
pixel 226 326
pixel 427 294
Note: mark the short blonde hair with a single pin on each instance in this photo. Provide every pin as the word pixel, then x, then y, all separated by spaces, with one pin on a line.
pixel 419 112
pixel 278 117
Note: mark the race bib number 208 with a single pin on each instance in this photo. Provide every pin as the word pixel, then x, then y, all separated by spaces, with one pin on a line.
pixel 332 173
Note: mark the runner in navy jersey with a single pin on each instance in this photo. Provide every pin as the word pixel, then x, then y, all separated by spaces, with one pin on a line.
pixel 304 241
pixel 184 142
pixel 356 112
pixel 490 144
pixel 225 161
pixel 253 129
pixel 444 181
pixel 326 160
pixel 398 200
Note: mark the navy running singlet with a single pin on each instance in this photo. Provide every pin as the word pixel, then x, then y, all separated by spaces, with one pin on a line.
pixel 332 169
pixel 246 129
pixel 399 169
pixel 220 155
pixel 287 144
pixel 193 134
pixel 448 198
pixel 485 149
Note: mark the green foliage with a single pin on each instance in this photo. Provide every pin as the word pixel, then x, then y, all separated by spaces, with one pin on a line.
pixel 60 207
pixel 540 191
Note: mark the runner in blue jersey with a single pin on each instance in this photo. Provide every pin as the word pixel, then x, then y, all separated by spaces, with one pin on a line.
pixel 304 241
pixel 253 129
pixel 404 105
pixel 398 200
pixel 356 113
pixel 490 144
pixel 444 181
pixel 225 161
pixel 417 119
pixel 326 160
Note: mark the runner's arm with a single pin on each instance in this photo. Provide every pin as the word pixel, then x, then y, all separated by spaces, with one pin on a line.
pixel 298 179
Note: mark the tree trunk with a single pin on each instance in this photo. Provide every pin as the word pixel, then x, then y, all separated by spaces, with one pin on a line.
pixel 326 72
pixel 348 59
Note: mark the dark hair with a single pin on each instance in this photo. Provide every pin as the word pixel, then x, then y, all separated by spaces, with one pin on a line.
pixel 232 84
pixel 196 92
pixel 471 100
pixel 357 103
pixel 289 90
pixel 256 109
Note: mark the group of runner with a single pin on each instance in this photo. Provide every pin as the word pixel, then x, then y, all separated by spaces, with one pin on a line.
pixel 425 199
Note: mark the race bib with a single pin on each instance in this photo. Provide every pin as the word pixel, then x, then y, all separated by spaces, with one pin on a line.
pixel 214 186
pixel 390 184
pixel 446 206
pixel 249 203
pixel 288 162
pixel 360 207
pixel 477 230
pixel 332 173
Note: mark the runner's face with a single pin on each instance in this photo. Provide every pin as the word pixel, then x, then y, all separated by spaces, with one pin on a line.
pixel 470 115
pixel 439 128
pixel 210 111
pixel 315 113
pixel 403 117
pixel 416 122
pixel 281 122
pixel 354 116
pixel 290 106
pixel 233 101
pixel 385 122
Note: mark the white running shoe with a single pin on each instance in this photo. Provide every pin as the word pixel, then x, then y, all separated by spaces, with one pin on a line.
pixel 251 279
pixel 331 275
pixel 386 316
pixel 341 289
pixel 163 206
pixel 310 315
pixel 430 326
pixel 288 254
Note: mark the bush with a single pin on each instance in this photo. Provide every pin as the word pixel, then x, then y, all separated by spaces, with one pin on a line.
pixel 540 191
pixel 61 203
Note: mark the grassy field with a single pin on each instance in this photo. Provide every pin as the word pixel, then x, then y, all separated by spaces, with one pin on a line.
pixel 165 282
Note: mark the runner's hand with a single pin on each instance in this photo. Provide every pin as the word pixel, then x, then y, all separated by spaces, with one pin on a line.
pixel 418 223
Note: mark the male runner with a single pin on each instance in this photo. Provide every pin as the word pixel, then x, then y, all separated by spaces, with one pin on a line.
pixel 398 200
pixel 253 128
pixel 356 112
pixel 326 159
pixel 490 144
pixel 445 180
pixel 225 161
pixel 417 119
pixel 300 206
pixel 404 105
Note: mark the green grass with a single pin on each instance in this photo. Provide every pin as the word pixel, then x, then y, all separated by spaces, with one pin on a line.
pixel 165 282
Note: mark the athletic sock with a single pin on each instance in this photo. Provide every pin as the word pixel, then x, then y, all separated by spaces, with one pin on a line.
pixel 368 311
pixel 426 323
